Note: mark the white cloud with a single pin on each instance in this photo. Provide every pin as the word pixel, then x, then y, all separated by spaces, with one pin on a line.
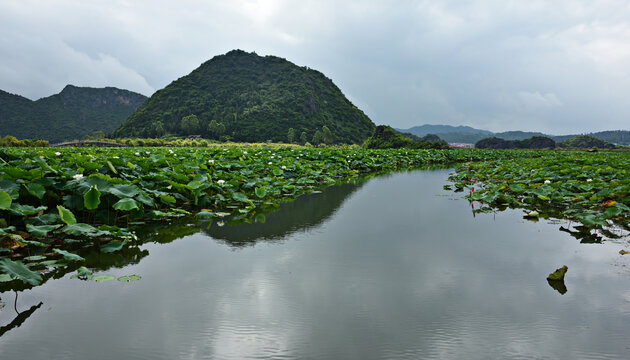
pixel 477 62
pixel 536 100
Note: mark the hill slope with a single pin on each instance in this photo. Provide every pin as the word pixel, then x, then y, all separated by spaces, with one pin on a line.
pixel 249 98
pixel 71 114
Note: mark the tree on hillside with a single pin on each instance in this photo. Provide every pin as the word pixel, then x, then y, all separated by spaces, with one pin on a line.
pixel 317 138
pixel 190 124
pixel 327 136
pixel 291 135
pixel 159 129
pixel 216 129
pixel 303 138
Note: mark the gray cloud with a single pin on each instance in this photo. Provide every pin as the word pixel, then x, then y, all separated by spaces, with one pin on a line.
pixel 558 67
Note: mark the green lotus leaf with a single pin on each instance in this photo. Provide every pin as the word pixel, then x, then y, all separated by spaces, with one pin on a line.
pixel 129 278
pixel 92 198
pixel 124 191
pixel 36 190
pixel 41 231
pixel 112 246
pixel 68 255
pixel 261 192
pixel 239 197
pixel 5 200
pixel 102 278
pixel 66 215
pixel 17 270
pixel 126 204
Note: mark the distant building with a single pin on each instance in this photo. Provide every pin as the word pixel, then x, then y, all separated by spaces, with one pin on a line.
pixel 461 145
pixel 192 137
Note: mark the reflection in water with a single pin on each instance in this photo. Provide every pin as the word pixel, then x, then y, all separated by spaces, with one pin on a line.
pixel 395 272
pixel 558 285
pixel 21 316
pixel 306 212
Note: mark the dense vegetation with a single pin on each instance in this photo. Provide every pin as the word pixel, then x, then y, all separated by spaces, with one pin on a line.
pixel 536 142
pixel 56 205
pixel 241 96
pixel 585 142
pixel 385 137
pixel 590 188
pixel 71 114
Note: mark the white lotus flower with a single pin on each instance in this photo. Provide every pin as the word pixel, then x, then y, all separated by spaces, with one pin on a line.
pixel 220 182
pixel 589 180
pixel 284 167
pixel 57 153
pixel 269 163
pixel 78 176
pixel 211 161
pixel 137 154
pixel 547 181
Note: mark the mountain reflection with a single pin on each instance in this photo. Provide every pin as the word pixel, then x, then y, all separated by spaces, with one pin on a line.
pixel 306 212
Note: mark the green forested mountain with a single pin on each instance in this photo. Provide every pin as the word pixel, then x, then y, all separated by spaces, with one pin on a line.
pixel 385 137
pixel 71 114
pixel 246 97
pixel 585 141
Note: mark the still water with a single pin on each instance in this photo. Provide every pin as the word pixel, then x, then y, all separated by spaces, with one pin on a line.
pixel 391 268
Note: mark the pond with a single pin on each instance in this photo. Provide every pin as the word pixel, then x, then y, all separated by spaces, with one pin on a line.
pixel 391 268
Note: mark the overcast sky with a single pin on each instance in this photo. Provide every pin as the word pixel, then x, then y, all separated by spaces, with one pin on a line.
pixel 553 66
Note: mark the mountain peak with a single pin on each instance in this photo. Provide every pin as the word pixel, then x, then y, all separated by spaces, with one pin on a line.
pixel 250 98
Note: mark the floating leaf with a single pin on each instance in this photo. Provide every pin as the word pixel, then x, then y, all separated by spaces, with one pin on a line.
pixel 92 198
pixel 558 274
pixel 205 215
pixel 102 278
pixel 68 255
pixel 17 270
pixel 66 215
pixel 129 278
pixel 83 273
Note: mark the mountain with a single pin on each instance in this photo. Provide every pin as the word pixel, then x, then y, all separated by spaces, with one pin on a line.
pixel 246 97
pixel 387 138
pixel 71 114
pixel 443 129
pixel 466 134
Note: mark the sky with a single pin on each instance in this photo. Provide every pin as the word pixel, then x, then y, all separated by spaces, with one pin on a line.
pixel 559 67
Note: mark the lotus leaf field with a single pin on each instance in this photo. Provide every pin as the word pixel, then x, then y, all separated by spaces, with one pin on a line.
pixel 59 205
pixel 591 189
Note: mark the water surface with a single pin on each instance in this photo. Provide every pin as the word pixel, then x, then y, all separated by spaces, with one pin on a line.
pixel 394 268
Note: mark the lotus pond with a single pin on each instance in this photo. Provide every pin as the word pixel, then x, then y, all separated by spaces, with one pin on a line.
pixel 295 253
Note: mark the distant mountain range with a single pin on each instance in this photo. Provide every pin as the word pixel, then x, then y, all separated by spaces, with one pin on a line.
pixel 467 134
pixel 71 114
